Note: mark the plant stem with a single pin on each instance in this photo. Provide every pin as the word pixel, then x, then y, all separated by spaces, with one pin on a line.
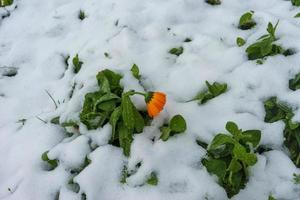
pixel 140 93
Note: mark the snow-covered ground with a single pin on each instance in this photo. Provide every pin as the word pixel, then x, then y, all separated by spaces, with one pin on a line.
pixel 36 38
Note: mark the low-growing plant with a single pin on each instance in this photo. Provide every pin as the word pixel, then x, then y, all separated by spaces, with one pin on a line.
pixel 265 45
pixel 240 41
pixel 106 54
pixel 271 198
pixel 230 156
pixel 153 179
pixel 177 125
pixel 213 2
pixel 276 111
pixel 76 64
pixel 187 40
pixel 246 21
pixel 294 84
pixel 212 91
pixel 4 3
pixel 112 105
pixel 81 15
pixel 176 51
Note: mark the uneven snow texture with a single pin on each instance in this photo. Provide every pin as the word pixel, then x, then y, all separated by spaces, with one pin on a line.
pixel 37 36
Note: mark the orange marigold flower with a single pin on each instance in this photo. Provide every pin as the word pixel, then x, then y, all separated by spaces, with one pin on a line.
pixel 155 103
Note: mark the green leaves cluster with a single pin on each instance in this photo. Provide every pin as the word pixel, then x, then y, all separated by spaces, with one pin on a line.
pixel 294 84
pixel 176 51
pixel 98 106
pixel 212 91
pixel 276 111
pixel 229 157
pixel 4 3
pixel 76 64
pixel 111 105
pixel 177 125
pixel 246 22
pixel 213 2
pixel 265 46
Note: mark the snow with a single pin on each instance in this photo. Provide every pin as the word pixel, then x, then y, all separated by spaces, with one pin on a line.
pixel 35 39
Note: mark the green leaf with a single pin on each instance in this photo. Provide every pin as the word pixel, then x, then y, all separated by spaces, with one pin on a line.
pixel 176 51
pixel 107 102
pixel 271 198
pixel 234 166
pixel 276 111
pixel 291 125
pixel 107 55
pixel 53 163
pixel 204 145
pixel 107 106
pixel 45 156
pixel 4 3
pixel 81 15
pixel 177 124
pixel 187 40
pixel 89 116
pixel 232 128
pixel 213 90
pixel 152 180
pixel 213 2
pixel 125 138
pixel 296 2
pixel 215 166
pixel 76 64
pixel 220 140
pixel 114 118
pixel 294 84
pixel 241 154
pixel 296 178
pixel 251 136
pixel 216 88
pixel 165 133
pixel 106 97
pixel 109 81
pixel 125 175
pixel 139 121
pixel 297 15
pixel 69 123
pixel 55 120
pixel 246 22
pixel 128 112
pixel 240 41
pixel 135 71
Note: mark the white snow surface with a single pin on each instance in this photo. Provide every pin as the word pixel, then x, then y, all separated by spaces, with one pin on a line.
pixel 37 36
